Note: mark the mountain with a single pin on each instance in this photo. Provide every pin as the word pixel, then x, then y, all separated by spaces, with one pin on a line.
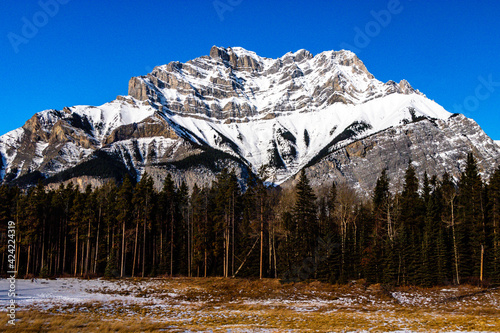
pixel 325 113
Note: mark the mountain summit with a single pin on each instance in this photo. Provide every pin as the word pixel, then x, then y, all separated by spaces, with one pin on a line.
pixel 235 109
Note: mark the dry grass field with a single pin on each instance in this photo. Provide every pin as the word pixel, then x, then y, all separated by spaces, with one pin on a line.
pixel 241 305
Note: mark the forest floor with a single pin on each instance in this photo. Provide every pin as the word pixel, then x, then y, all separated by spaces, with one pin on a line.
pixel 242 305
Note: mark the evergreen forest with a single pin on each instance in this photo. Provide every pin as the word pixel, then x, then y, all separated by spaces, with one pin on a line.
pixel 432 231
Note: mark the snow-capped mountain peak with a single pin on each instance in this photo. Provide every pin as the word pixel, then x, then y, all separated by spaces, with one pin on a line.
pixel 283 114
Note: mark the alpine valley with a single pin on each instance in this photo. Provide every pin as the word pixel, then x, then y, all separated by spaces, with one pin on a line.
pixel 234 109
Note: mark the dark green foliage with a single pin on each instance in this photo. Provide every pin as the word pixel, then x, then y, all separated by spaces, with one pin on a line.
pixel 101 165
pixel 209 158
pixel 494 226
pixel 472 222
pixel 429 233
pixel 111 270
pixel 306 223
pixel 27 179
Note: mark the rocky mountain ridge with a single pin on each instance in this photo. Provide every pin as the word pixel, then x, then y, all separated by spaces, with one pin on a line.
pixel 235 109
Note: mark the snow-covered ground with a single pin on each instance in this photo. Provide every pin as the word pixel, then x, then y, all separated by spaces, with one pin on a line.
pixel 46 294
pixel 195 305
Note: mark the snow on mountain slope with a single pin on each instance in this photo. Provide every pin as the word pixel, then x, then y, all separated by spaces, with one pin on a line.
pixel 237 85
pixel 255 139
pixel 109 116
pixel 71 134
pixel 278 112
pixel 285 114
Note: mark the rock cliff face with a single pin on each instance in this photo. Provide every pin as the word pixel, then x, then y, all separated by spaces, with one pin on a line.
pixel 235 85
pixel 432 146
pixel 325 113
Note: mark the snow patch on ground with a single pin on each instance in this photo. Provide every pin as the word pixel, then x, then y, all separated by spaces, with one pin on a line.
pixel 188 303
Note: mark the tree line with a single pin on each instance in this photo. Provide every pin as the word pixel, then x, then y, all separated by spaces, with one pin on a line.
pixel 431 232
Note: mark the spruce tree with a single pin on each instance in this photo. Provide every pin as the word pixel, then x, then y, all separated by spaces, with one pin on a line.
pixel 411 225
pixel 304 213
pixel 111 270
pixel 494 221
pixel 472 218
pixel 168 204
pixel 124 208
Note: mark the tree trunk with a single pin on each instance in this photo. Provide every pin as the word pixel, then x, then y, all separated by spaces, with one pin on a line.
pixel 43 245
pixel 122 268
pixel 28 260
pixel 171 239
pixel 261 238
pixel 64 248
pixel 455 249
pixel 188 245
pixel 82 258
pixel 135 247
pixel 226 252
pixel 205 255
pixel 76 252
pixel 18 253
pixel 87 261
pixel 482 263
pixel 161 245
pixel 144 247
pixel 274 254
pixel 232 256
pixel 97 241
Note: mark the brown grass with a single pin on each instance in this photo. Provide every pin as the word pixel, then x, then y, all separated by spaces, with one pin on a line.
pixel 217 304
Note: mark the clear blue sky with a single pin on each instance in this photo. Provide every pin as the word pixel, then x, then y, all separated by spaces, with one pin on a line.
pixel 84 52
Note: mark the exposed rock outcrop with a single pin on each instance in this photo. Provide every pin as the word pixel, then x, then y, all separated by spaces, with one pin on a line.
pixel 233 108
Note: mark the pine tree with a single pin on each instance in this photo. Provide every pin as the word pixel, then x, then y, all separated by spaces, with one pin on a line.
pixel 168 203
pixel 76 228
pixel 331 200
pixel 111 270
pixel 198 245
pixel 124 208
pixel 109 193
pixel 227 194
pixel 378 257
pixel 304 213
pixel 410 226
pixel 433 265
pixel 494 219
pixel 143 202
pixel 183 241
pixel 472 218
pixel 329 241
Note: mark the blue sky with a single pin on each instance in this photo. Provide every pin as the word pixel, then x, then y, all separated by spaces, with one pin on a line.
pixel 57 53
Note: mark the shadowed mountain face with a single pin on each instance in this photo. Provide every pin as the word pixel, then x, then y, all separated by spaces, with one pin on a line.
pixel 235 109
